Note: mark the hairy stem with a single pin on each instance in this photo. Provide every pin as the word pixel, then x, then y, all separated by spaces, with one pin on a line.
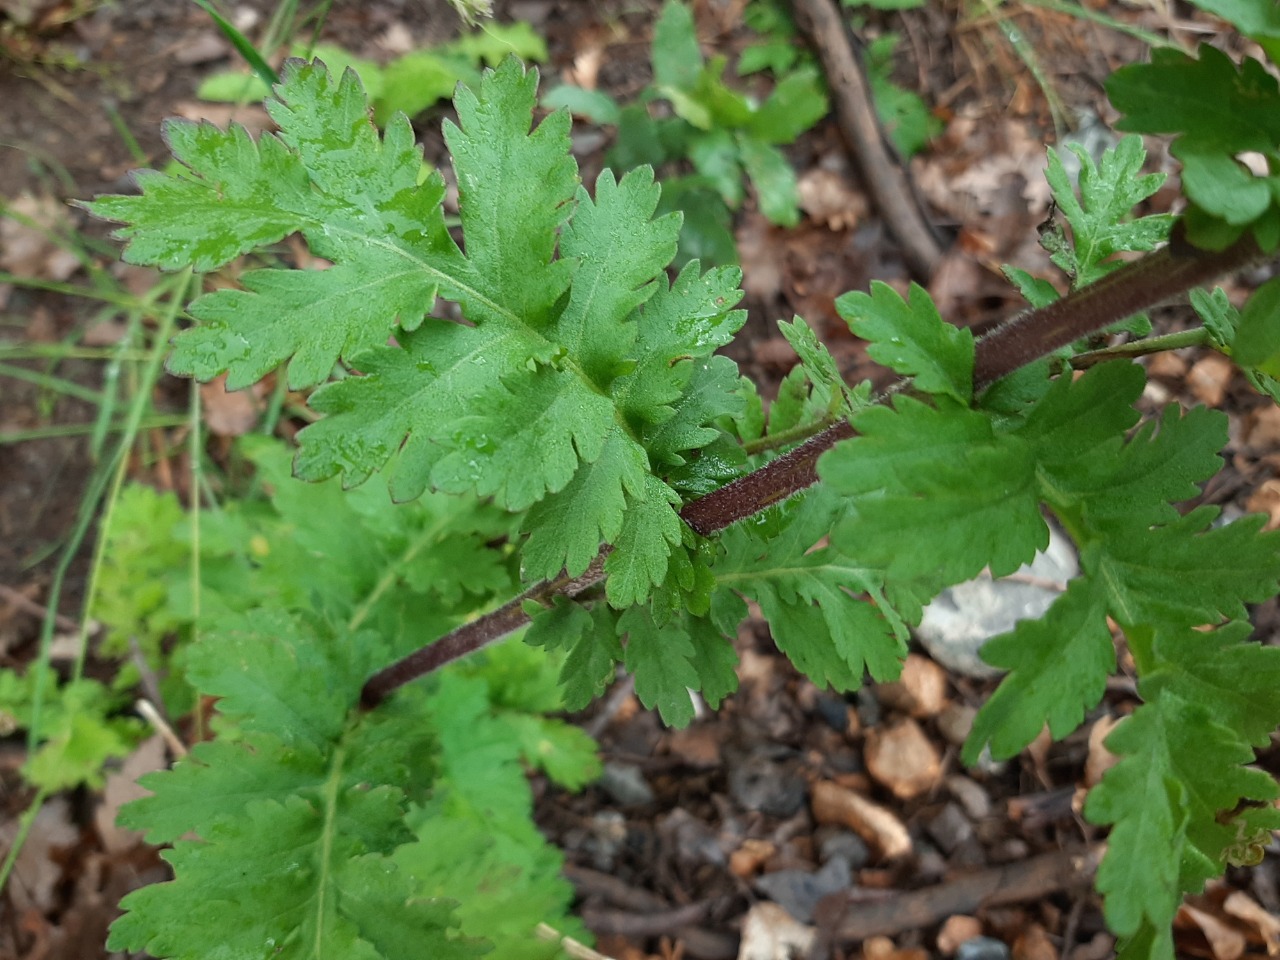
pixel 1137 286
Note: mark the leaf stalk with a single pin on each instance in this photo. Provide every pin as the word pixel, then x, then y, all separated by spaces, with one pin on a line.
pixel 1154 279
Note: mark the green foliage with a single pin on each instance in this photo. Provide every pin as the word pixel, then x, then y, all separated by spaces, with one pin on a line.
pixel 1217 111
pixel 286 585
pixel 566 396
pixel 528 382
pixel 724 134
pixel 407 84
pixel 1100 221
pixel 80 729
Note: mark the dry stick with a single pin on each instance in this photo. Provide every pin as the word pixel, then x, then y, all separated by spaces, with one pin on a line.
pixel 1137 286
pixel 1016 883
pixel 885 179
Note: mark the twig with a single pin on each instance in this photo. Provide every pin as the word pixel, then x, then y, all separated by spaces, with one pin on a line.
pixel 1016 883
pixel 574 948
pixel 1157 278
pixel 27 605
pixel 149 713
pixel 886 181
pixel 644 924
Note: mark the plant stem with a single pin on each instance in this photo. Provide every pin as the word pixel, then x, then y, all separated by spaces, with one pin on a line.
pixel 477 634
pixel 1156 278
pixel 1195 337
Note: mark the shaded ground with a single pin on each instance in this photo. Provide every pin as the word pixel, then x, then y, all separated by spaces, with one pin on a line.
pixel 678 843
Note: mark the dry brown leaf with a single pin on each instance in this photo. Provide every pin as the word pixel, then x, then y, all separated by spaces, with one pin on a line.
pixel 835 804
pixel 228 413
pixel 747 860
pixel 768 932
pixel 882 948
pixel 1266 499
pixel 1209 378
pixel 1033 943
pixel 956 930
pixel 903 758
pixel 1262 430
pixel 1226 942
pixel 827 198
pixel 1100 759
pixel 697 746
pixel 1240 905
pixel 122 787
pixel 1167 365
pixel 28 238
pixel 920 690
pixel 759 255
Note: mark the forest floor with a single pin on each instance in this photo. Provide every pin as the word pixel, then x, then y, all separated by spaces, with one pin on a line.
pixel 694 839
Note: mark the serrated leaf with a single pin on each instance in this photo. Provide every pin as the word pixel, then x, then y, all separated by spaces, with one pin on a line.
pixel 590 641
pixel 935 493
pixel 1180 769
pixel 1257 342
pixel 1139 479
pixel 567 530
pixel 661 660
pixel 1238 681
pixel 328 899
pixel 1181 572
pixel 808 596
pixel 910 337
pixel 620 250
pixel 1235 108
pixel 295 821
pixel 1078 416
pixel 650 530
pixel 1100 218
pixel 1058 666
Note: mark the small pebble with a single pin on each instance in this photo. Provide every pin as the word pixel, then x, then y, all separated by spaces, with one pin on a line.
pixel 760 784
pixel 626 785
pixel 950 827
pixel 983 948
pixel 844 844
pixel 800 890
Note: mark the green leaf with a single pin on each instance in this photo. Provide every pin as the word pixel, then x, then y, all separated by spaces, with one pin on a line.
pixel 714 154
pixel 1182 572
pixel 905 117
pixel 773 179
pixel 595 105
pixel 677 61
pixel 1161 464
pixel 1058 666
pixel 476 839
pixel 1100 219
pixel 797 102
pixel 1252 19
pixel 590 641
pixel 295 822
pixel 1234 108
pixel 415 81
pixel 661 660
pixel 911 337
pixel 1180 769
pixel 1257 343
pixel 808 595
pixel 935 492
pixel 1237 680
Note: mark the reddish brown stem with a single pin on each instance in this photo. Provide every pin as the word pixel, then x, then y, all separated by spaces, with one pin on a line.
pixel 1137 286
